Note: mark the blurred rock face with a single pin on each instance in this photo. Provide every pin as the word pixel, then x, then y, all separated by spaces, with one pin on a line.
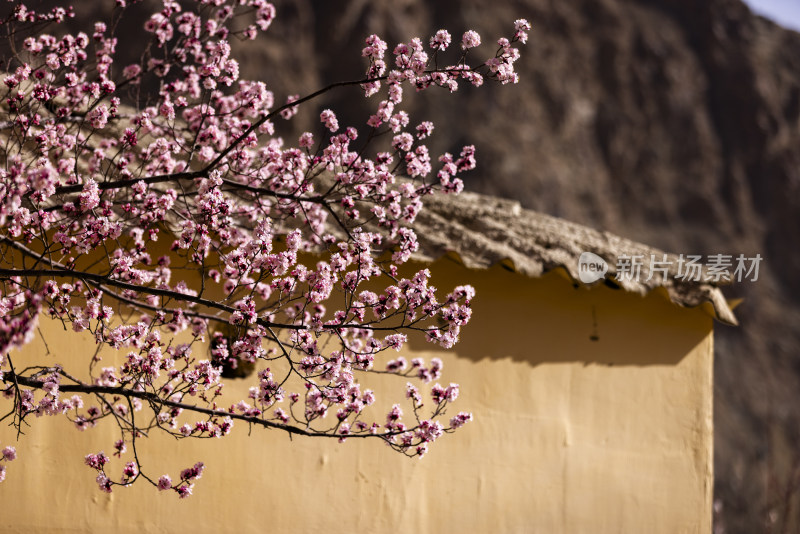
pixel 672 122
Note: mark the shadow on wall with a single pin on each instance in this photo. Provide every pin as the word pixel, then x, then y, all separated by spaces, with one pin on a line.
pixel 552 319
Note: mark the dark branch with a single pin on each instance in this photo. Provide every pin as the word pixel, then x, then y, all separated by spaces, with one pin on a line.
pixel 13 378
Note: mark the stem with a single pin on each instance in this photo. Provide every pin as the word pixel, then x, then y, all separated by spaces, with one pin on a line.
pixel 13 378
pixel 104 279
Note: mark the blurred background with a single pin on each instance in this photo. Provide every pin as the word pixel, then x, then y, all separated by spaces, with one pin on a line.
pixel 672 122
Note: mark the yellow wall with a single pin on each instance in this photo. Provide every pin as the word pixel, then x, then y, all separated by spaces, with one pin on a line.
pixel 570 435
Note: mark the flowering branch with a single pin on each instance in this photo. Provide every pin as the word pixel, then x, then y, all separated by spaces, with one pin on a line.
pixel 188 236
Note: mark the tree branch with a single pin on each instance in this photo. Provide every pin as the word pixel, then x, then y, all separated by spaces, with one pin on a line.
pixel 104 279
pixel 15 379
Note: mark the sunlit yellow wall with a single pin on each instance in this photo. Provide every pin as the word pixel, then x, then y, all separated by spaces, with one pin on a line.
pixel 570 435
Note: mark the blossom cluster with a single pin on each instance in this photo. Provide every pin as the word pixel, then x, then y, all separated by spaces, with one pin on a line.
pixel 8 454
pixel 187 236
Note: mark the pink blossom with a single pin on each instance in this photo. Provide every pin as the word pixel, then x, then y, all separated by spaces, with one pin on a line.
pixel 164 483
pixel 328 118
pixel 452 392
pixel 395 341
pixel 424 130
pixel 90 197
pixel 403 141
pixel 460 420
pixel 103 482
pixel 194 472
pixel 10 453
pixel 471 39
pixel 265 15
pixel 412 392
pixel 96 461
pixel 396 366
pixel 306 140
pixel 98 117
pixel 441 40
pixel 130 470
pixel 438 393
pixel 375 48
pixel 521 27
pixel 290 111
